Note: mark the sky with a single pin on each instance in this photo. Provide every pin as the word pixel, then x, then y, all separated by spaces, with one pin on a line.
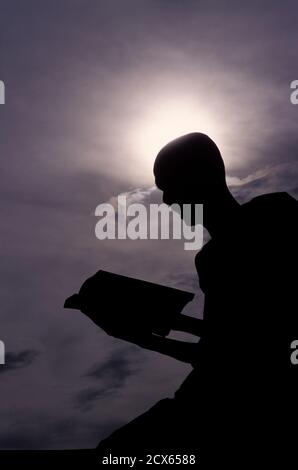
pixel 93 91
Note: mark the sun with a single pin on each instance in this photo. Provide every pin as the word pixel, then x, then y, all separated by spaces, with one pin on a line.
pixel 165 122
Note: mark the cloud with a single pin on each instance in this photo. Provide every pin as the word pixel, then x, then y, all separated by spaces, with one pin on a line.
pixel 236 181
pixel 86 399
pixel 282 177
pixel 19 360
pixel 110 377
pixel 56 432
pixel 115 370
pixel 136 195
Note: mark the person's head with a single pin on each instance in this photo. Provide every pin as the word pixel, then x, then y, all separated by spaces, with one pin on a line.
pixel 190 170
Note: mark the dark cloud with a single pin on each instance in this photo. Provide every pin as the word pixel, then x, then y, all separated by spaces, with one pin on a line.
pixel 18 360
pixel 53 433
pixel 115 370
pixel 87 399
pixel 110 378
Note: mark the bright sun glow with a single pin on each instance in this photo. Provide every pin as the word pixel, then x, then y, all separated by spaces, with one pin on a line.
pixel 159 126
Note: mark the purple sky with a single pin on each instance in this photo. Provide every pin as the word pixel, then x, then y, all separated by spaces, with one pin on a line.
pixel 84 81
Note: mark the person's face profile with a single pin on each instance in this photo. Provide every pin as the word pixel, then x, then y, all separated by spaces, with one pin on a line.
pixel 177 196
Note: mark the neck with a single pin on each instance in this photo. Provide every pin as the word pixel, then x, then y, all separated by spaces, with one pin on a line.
pixel 220 214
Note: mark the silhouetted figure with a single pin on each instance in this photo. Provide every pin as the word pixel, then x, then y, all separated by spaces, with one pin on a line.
pixel 246 383
pixel 138 311
pixel 237 408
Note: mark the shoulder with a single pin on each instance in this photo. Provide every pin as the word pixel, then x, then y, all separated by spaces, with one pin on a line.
pixel 273 230
pixel 272 202
pixel 274 209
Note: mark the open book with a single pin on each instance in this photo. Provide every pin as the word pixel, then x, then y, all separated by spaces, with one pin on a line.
pixel 123 305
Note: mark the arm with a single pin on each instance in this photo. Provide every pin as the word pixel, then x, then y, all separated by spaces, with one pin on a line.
pixel 192 325
pixel 180 350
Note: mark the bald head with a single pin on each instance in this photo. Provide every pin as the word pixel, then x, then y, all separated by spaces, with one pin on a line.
pixel 192 157
pixel 190 168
